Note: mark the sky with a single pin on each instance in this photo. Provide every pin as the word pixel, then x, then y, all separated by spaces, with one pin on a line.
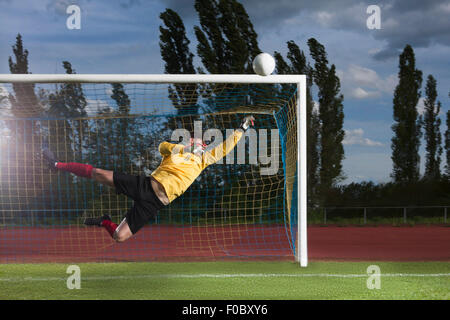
pixel 122 36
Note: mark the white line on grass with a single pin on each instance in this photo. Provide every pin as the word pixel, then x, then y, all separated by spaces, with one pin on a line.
pixel 219 276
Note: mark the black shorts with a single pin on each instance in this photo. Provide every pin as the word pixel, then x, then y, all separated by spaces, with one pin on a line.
pixel 146 203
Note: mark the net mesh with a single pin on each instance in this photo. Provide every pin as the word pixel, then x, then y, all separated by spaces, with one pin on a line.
pixel 232 210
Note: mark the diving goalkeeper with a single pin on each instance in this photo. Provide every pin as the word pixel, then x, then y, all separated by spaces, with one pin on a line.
pixel 180 166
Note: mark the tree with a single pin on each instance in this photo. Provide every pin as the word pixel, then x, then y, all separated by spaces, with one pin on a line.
pixel 227 41
pixel 174 47
pixel 25 133
pixel 76 103
pixel 66 131
pixel 128 131
pixel 447 145
pixel 24 102
pixel 227 44
pixel 331 116
pixel 407 129
pixel 121 98
pixel 299 65
pixel 124 124
pixel 432 124
pixel 20 169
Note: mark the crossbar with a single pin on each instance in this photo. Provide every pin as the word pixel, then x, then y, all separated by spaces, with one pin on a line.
pixel 147 78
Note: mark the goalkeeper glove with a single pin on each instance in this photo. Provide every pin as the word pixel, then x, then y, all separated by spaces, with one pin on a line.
pixel 195 146
pixel 247 122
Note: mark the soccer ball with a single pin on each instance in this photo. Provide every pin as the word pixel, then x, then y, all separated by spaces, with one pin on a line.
pixel 263 64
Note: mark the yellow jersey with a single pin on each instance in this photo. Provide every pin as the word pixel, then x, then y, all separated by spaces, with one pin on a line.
pixel 179 169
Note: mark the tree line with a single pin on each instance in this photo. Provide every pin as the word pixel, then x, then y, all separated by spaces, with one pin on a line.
pixel 226 44
pixel 58 118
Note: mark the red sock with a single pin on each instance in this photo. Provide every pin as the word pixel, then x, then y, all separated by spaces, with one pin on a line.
pixel 79 169
pixel 109 226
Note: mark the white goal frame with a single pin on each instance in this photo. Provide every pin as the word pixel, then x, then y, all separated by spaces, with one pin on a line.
pixel 299 80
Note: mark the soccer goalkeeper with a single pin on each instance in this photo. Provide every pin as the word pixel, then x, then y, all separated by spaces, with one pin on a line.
pixel 180 166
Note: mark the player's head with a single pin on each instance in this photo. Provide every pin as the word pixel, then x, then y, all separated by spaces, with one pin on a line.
pixel 197 141
pixel 197 145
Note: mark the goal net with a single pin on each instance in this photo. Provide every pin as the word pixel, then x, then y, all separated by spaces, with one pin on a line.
pixel 249 205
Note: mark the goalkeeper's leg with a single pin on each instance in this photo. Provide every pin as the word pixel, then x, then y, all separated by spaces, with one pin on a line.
pixel 79 169
pixel 120 232
pixel 137 216
pixel 139 188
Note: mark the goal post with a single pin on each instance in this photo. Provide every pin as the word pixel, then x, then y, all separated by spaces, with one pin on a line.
pixel 302 248
pixel 279 99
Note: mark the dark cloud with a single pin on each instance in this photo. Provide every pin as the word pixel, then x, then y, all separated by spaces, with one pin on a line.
pixel 263 11
pixel 272 12
pixel 185 8
pixel 413 5
pixel 419 23
pixel 129 3
pixel 59 7
pixel 386 53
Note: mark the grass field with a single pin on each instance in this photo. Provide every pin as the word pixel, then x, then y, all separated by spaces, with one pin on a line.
pixel 227 280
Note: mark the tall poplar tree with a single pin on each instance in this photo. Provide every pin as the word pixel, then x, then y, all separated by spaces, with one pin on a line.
pixel 299 65
pixel 227 41
pixel 19 168
pixel 76 104
pixel 407 127
pixel 174 47
pixel 226 44
pixel 331 116
pixel 123 126
pixel 432 124
pixel 447 144
pixel 65 105
pixel 25 133
pixel 24 102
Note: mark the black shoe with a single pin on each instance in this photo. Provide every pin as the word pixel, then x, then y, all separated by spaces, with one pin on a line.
pixel 49 158
pixel 96 221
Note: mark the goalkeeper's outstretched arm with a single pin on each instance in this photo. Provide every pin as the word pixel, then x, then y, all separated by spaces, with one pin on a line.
pixel 224 148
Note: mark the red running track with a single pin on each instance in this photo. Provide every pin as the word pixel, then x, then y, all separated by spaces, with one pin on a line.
pixel 418 243
pixel 171 243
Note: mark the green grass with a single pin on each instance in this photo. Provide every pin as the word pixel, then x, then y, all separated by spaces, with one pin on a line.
pixel 269 280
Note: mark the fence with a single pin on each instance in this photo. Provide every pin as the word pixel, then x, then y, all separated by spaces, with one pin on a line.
pixel 404 210
pixel 63 217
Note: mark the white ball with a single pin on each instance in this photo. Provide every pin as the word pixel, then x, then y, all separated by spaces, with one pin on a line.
pixel 263 64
